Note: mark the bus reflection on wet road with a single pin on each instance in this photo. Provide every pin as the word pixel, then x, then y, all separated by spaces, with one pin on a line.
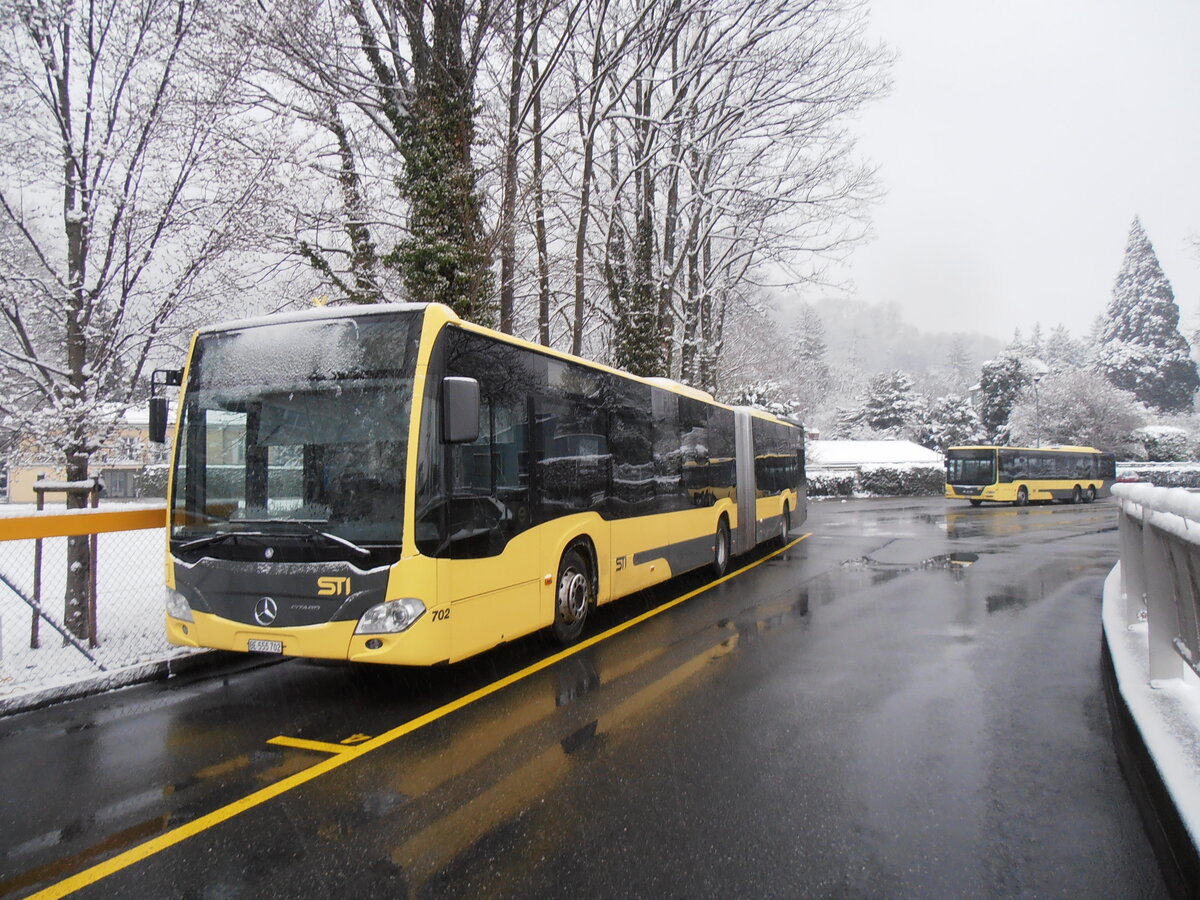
pixel 907 703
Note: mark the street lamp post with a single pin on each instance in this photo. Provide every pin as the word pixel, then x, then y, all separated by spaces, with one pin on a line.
pixel 1038 371
pixel 1037 414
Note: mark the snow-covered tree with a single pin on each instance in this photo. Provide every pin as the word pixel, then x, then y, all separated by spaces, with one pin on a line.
pixel 1141 348
pixel 1000 384
pixel 949 421
pixel 124 183
pixel 1062 352
pixel 890 407
pixel 767 395
pixel 1076 407
pixel 958 362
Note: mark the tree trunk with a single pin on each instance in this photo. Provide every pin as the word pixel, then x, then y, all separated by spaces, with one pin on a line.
pixel 585 194
pixel 539 203
pixel 508 206
pixel 76 228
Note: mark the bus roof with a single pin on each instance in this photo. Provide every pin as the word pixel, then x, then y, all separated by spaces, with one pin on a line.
pixel 1058 448
pixel 446 316
pixel 320 312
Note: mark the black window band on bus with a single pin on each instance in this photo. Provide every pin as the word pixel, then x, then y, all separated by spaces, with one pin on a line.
pixel 558 438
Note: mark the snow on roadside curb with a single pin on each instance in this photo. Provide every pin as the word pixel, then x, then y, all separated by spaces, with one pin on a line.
pixel 1167 713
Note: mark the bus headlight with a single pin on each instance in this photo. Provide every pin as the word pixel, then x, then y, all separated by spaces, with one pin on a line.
pixel 178 607
pixel 390 617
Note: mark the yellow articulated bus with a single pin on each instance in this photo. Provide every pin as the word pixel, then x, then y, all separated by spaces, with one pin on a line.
pixel 1019 475
pixel 390 484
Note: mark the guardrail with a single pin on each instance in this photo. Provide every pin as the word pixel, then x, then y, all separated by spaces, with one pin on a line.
pixel 44 644
pixel 1150 615
pixel 1160 573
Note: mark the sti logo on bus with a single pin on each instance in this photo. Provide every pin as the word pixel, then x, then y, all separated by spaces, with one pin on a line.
pixel 333 585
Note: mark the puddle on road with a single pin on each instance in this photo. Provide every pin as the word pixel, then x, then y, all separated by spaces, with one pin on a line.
pixel 863 573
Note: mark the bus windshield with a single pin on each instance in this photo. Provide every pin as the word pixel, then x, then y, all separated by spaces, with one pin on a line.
pixel 970 466
pixel 299 428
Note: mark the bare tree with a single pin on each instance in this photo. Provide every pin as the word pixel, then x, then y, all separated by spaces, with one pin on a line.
pixel 133 140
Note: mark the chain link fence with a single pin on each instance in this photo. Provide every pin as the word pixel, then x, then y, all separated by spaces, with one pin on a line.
pixel 57 631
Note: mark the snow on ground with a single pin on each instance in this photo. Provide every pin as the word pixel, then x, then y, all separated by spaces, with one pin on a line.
pixel 129 610
pixel 1167 712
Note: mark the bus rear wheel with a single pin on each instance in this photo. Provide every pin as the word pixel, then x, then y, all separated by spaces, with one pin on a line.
pixel 1089 496
pixel 573 596
pixel 1022 497
pixel 720 562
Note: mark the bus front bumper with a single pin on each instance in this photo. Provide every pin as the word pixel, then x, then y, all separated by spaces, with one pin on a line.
pixel 970 492
pixel 331 640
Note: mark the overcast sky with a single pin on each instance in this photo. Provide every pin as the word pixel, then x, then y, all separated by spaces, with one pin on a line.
pixel 1019 141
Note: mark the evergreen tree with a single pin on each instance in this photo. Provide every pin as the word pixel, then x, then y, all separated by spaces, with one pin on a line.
pixel 1141 348
pixel 1000 384
pixel 958 361
pixel 812 376
pixel 1035 346
pixel 890 406
pixel 948 422
pixel 1061 351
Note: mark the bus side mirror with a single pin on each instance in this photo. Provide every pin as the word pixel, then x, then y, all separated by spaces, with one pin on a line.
pixel 158 420
pixel 161 378
pixel 460 410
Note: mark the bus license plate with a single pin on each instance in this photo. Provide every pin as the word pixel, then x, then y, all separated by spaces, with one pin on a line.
pixel 264 646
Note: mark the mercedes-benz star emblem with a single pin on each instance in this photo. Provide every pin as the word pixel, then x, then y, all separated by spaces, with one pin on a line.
pixel 265 611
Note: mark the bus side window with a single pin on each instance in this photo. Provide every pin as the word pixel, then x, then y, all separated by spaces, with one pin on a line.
pixel 484 499
pixel 631 442
pixel 571 442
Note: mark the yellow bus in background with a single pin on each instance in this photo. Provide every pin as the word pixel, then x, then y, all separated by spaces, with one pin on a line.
pixel 1020 475
pixel 390 484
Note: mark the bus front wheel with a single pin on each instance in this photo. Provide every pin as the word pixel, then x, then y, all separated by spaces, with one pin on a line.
pixel 975 502
pixel 573 596
pixel 720 563
pixel 1077 496
pixel 1022 497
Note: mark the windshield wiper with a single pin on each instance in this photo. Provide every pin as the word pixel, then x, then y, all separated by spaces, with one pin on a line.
pixel 329 536
pixel 216 538
pixel 311 529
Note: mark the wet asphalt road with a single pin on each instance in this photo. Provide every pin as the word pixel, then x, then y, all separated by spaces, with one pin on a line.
pixel 906 704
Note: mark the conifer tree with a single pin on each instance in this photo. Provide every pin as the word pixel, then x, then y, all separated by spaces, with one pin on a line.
pixel 958 361
pixel 809 341
pixel 890 405
pixel 1141 348
pixel 949 421
pixel 1000 384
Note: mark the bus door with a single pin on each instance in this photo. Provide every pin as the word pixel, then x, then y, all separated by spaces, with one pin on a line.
pixel 488 555
pixel 745 537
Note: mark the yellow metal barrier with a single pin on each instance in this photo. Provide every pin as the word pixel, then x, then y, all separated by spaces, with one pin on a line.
pixel 80 522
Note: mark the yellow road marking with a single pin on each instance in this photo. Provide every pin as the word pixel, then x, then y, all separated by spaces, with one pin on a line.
pixel 356 739
pixel 283 740
pixel 203 823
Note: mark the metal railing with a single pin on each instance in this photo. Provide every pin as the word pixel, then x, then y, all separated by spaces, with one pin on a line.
pixel 1160 573
pixel 47 637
